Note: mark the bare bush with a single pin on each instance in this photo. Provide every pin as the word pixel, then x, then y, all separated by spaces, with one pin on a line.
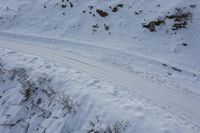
pixel 67 104
pixel 96 127
pixel 20 72
pixel 28 88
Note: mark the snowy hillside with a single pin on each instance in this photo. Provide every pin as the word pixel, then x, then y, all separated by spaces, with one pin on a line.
pixel 37 96
pixel 121 27
pixel 91 66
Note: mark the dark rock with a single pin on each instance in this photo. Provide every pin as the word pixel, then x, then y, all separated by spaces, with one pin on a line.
pixel 102 13
pixel 184 44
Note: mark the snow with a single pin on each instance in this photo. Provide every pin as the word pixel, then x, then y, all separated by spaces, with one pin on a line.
pixel 92 101
pixel 117 43
pixel 127 43
pixel 187 81
pixel 126 31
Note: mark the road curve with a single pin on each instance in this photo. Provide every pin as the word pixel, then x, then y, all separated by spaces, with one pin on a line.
pixel 177 103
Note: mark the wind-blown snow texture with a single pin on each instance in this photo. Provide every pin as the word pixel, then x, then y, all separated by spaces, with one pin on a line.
pixel 37 96
pixel 156 39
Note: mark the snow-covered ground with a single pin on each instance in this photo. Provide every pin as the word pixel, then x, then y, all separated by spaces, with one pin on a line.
pixel 154 42
pixel 125 32
pixel 39 96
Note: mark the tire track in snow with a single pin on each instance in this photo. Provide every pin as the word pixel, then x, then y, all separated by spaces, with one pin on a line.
pixel 47 40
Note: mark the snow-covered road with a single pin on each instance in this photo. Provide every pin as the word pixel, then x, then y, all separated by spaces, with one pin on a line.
pixel 180 104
